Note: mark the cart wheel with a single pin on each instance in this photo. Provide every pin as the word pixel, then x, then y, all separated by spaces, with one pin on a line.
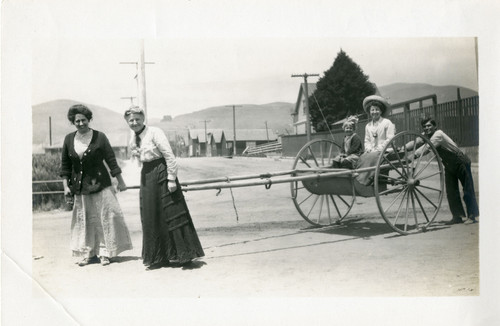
pixel 409 190
pixel 320 209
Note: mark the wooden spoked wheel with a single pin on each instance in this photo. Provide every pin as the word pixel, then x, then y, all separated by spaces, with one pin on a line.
pixel 409 190
pixel 314 199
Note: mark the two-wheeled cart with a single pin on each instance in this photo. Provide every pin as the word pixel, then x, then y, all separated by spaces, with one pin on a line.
pixel 408 190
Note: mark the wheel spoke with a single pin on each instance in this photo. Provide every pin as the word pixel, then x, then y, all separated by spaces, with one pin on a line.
pixel 304 161
pixel 426 165
pixel 330 152
pixel 406 214
pixel 320 208
pixel 386 176
pixel 414 209
pixel 305 199
pixel 429 176
pixel 404 166
pixel 394 167
pixel 336 207
pixel 421 207
pixel 422 194
pixel 392 189
pixel 430 188
pixel 328 209
pixel 400 207
pixel 314 204
pixel 343 200
pixel 394 200
pixel 313 156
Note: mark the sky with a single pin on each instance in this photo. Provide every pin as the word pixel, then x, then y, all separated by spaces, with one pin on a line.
pixel 191 74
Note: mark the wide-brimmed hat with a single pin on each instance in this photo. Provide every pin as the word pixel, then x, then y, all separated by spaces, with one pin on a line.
pixel 367 102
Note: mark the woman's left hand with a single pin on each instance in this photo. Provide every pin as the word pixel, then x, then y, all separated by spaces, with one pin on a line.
pixel 172 186
pixel 121 186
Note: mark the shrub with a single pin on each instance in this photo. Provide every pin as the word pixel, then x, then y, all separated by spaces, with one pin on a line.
pixel 47 167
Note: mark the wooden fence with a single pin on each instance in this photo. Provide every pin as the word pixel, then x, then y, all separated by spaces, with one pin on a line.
pixel 458 119
pixel 273 147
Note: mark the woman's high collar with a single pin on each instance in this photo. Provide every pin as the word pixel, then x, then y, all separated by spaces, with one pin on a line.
pixel 137 133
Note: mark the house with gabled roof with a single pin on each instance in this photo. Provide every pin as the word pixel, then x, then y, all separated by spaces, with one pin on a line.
pixel 299 113
pixel 211 143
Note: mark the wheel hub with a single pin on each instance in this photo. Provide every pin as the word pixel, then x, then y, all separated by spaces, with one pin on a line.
pixel 412 183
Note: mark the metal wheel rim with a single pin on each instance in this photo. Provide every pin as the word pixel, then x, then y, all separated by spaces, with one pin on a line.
pixel 323 210
pixel 418 189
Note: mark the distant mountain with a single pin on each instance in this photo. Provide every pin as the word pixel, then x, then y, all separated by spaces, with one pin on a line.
pixel 105 120
pixel 400 92
pixel 248 116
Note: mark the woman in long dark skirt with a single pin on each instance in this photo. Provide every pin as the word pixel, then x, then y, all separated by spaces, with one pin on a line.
pixel 169 235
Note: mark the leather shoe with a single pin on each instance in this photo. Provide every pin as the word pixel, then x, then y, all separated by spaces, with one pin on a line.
pixel 471 220
pixel 154 266
pixel 87 261
pixel 455 220
pixel 105 261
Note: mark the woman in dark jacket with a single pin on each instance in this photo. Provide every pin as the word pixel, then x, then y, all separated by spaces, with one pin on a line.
pixel 97 228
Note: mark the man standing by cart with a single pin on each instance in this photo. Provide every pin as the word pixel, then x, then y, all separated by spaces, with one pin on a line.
pixel 457 166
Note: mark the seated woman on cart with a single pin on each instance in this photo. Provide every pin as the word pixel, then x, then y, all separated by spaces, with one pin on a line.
pixel 378 132
pixel 352 146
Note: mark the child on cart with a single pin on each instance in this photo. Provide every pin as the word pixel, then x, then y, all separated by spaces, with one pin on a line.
pixel 352 146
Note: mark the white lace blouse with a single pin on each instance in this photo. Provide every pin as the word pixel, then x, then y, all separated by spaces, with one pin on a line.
pixel 154 145
pixel 378 134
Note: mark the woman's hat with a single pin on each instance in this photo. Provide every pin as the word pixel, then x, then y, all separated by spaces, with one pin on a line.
pixel 350 121
pixel 367 102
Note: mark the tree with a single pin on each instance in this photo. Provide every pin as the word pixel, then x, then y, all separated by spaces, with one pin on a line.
pixel 339 93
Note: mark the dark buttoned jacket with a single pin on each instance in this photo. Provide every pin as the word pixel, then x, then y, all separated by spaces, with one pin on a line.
pixel 88 174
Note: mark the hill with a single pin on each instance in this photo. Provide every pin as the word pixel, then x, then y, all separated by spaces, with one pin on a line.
pixel 247 116
pixel 112 123
pixel 400 92
pixel 108 121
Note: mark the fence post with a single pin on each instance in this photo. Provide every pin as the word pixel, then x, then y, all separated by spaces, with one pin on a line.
pixel 407 116
pixel 460 117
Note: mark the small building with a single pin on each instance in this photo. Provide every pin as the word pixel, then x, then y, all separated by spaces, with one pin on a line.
pixel 213 143
pixel 299 113
pixel 248 138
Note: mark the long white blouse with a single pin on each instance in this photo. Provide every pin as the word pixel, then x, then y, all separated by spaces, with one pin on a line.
pixel 378 134
pixel 154 145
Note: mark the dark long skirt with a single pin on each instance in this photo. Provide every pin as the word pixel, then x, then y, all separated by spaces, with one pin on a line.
pixel 167 227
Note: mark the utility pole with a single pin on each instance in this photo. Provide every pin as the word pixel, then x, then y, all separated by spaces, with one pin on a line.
pixel 308 122
pixel 267 133
pixel 206 137
pixel 234 127
pixel 131 98
pixel 141 79
pixel 50 131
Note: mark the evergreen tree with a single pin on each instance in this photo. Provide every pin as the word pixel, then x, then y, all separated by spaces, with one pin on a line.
pixel 339 93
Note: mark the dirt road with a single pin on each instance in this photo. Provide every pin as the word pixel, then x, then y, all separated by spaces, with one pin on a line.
pixel 266 249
